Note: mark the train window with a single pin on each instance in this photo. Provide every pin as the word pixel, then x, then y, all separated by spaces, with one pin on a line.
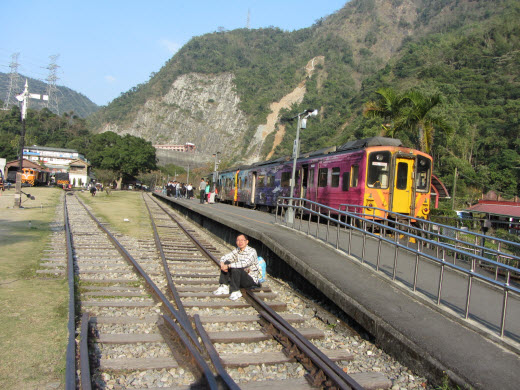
pixel 261 180
pixel 378 169
pixel 401 180
pixel 270 181
pixel 422 178
pixel 323 177
pixel 245 182
pixel 335 177
pixel 346 181
pixel 286 179
pixel 354 175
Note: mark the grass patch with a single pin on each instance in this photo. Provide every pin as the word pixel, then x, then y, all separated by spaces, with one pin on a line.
pixel 33 310
pixel 117 207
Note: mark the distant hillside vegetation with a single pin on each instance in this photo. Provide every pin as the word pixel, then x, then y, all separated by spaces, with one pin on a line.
pixel 68 100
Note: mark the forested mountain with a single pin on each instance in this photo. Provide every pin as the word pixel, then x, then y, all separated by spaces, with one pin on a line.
pixel 465 52
pixel 68 100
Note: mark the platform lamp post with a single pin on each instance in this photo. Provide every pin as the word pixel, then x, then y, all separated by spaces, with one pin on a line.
pixel 302 124
pixel 23 98
pixel 217 162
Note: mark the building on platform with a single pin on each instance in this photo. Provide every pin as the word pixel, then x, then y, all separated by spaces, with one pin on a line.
pixel 54 159
pixel 187 147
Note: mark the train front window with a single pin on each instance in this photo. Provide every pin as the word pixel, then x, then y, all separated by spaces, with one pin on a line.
pixel 261 180
pixel 422 178
pixel 378 169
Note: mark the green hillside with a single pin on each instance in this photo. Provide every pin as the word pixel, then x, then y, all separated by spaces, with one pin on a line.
pixel 465 51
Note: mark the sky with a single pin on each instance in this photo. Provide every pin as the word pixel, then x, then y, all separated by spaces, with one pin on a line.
pixel 106 47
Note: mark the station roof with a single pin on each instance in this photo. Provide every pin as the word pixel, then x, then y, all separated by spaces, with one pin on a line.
pixel 495 207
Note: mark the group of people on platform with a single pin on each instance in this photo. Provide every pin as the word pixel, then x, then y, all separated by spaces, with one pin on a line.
pixel 179 190
pixel 205 194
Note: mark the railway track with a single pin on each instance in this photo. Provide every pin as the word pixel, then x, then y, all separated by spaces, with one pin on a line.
pixel 150 319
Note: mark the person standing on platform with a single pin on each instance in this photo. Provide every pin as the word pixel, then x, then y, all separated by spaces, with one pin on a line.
pixel 239 269
pixel 208 192
pixel 202 190
pixel 189 190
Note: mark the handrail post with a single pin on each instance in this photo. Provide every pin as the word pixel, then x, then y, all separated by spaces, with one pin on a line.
pixel 328 225
pixel 441 277
pixel 504 306
pixel 396 252
pixel 468 294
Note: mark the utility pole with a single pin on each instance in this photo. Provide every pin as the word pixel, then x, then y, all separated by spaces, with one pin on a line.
pixel 52 90
pixel 13 80
pixel 23 98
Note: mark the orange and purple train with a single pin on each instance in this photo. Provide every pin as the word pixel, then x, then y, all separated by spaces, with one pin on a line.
pixel 374 172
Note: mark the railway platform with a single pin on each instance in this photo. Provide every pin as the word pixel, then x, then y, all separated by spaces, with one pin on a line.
pixel 424 339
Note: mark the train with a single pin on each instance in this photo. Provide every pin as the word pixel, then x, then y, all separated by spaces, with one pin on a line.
pixel 33 176
pixel 376 172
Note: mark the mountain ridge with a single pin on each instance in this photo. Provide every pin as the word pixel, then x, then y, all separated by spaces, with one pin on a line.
pixel 68 99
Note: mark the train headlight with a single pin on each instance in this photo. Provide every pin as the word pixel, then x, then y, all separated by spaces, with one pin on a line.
pixel 426 210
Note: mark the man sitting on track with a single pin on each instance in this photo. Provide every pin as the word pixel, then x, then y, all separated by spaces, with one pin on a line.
pixel 239 269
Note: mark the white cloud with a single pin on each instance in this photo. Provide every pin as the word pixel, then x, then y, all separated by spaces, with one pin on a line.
pixel 172 47
pixel 110 79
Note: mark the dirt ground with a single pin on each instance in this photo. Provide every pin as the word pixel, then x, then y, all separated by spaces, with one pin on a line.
pixel 33 309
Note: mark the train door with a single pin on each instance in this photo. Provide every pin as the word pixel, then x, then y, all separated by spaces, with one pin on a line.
pixel 402 199
pixel 304 183
pixel 253 187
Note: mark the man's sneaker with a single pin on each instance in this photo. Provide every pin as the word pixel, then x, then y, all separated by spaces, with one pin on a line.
pixel 235 295
pixel 223 289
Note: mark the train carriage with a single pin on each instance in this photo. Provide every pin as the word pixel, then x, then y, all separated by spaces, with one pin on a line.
pixel 374 172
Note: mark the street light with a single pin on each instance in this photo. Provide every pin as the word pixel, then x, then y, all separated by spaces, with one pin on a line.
pixel 302 124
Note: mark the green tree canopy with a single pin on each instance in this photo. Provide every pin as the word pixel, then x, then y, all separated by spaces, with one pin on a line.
pixel 127 155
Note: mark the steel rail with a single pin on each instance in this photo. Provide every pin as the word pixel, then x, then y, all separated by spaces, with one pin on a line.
pixel 196 352
pixel 86 381
pixel 323 370
pixel 173 290
pixel 214 356
pixel 197 359
pixel 70 367
pixel 319 359
pixel 212 353
pixel 202 248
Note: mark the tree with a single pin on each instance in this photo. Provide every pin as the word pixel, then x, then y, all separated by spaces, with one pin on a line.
pixel 420 119
pixel 412 111
pixel 127 156
pixel 389 107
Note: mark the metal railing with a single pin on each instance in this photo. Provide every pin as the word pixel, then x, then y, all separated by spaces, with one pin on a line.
pixel 472 241
pixel 420 245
